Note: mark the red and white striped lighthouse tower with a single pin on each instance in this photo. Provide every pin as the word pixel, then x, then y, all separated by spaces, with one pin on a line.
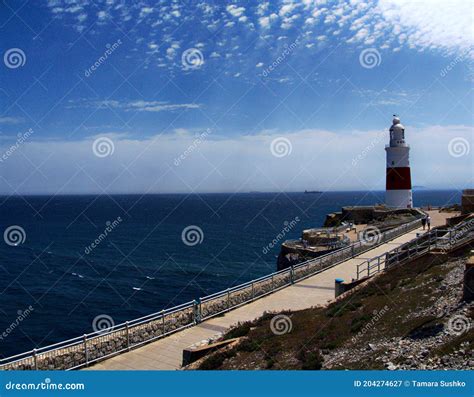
pixel 398 187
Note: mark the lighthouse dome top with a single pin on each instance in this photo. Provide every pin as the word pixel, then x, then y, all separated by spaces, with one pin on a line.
pixel 397 126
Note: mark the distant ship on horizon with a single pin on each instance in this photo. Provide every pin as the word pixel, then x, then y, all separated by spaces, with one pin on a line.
pixel 312 192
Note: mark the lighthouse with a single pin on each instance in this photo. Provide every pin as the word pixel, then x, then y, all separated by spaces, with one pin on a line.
pixel 398 185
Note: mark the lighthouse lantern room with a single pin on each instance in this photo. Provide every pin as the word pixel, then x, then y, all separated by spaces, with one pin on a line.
pixel 398 183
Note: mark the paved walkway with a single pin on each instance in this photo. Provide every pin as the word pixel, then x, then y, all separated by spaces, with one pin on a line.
pixel 166 353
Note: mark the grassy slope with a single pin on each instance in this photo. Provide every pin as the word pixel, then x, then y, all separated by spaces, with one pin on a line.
pixel 385 308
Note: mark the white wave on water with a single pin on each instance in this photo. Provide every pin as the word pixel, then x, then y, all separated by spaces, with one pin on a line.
pixel 150 278
pixel 136 288
pixel 77 275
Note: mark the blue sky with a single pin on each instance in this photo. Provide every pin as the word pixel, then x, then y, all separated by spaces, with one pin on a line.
pixel 197 96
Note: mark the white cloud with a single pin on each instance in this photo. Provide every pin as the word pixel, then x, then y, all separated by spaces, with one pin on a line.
pixel 101 15
pixel 11 120
pixel 145 11
pixel 235 11
pixel 431 24
pixel 287 9
pixel 264 22
pixel 150 161
pixel 138 105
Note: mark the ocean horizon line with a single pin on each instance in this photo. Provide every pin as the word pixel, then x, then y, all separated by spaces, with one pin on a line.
pixel 219 193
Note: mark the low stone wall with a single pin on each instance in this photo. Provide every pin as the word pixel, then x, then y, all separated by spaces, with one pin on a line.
pixel 104 345
pixel 234 298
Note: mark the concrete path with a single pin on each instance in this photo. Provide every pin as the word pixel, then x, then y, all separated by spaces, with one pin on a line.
pixel 166 353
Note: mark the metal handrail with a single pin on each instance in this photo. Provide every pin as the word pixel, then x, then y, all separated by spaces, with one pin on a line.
pixel 420 245
pixel 308 268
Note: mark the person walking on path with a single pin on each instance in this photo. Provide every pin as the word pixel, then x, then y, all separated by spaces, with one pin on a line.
pixel 428 222
pixel 423 222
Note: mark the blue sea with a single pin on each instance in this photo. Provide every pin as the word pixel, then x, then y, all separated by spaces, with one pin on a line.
pixel 69 275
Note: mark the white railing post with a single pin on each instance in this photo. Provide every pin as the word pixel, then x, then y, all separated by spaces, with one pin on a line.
pixel 196 311
pixel 163 321
pixel 86 353
pixel 35 359
pixel 128 335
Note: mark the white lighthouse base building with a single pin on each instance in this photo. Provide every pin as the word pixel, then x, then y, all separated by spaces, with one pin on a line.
pixel 399 198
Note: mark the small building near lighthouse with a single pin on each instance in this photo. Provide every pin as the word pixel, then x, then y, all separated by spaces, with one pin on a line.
pixel 398 183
